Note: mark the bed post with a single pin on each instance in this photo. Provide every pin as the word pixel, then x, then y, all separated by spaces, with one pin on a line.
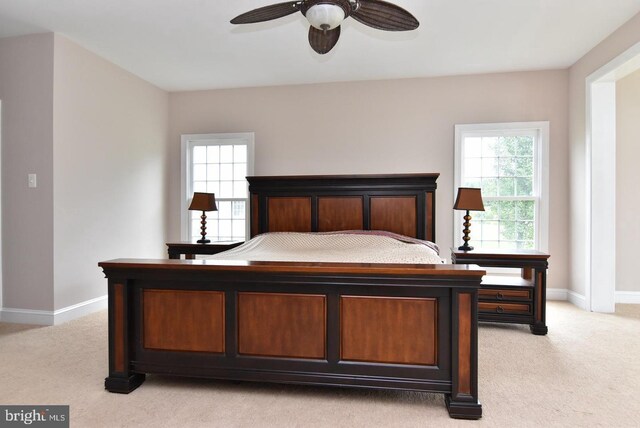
pixel 120 379
pixel 463 401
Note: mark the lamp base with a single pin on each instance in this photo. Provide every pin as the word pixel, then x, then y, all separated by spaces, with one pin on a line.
pixel 465 247
pixel 203 241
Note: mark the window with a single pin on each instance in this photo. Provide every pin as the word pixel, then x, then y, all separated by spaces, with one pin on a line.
pixel 509 162
pixel 217 163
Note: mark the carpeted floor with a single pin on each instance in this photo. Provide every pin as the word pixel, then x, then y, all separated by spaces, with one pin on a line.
pixel 585 372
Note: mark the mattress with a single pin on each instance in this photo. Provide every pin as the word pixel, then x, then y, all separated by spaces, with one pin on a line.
pixel 334 247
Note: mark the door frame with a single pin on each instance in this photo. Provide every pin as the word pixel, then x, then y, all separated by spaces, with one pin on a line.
pixel 600 182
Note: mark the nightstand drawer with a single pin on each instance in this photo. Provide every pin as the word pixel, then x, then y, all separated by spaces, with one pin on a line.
pixel 502 294
pixel 510 298
pixel 504 308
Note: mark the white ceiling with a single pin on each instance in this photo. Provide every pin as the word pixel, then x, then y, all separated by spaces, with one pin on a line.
pixel 190 44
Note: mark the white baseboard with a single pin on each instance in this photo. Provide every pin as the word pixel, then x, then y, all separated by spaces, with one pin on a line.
pixel 26 316
pixel 80 309
pixel 628 297
pixel 632 297
pixel 37 317
pixel 565 294
pixel 577 299
pixel 557 294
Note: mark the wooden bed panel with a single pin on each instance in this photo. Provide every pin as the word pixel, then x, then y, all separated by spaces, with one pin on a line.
pixel 389 330
pixel 289 214
pixel 395 214
pixel 340 213
pixel 433 307
pixel 183 320
pixel 255 215
pixel 282 325
pixel 118 327
pixel 464 343
pixel 401 203
pixel 429 226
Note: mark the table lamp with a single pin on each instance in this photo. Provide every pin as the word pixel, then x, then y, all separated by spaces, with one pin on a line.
pixel 468 199
pixel 203 202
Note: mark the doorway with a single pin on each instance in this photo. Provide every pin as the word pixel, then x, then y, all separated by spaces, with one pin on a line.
pixel 600 287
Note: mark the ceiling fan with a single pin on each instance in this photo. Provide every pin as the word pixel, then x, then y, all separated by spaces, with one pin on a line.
pixel 325 17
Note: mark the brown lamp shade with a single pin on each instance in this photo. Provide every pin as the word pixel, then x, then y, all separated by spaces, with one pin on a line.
pixel 469 199
pixel 203 202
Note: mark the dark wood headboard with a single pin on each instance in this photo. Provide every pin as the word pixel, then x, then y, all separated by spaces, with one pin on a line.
pixel 400 203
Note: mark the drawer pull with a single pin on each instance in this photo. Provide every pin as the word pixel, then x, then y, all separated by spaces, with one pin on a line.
pixel 500 309
pixel 499 296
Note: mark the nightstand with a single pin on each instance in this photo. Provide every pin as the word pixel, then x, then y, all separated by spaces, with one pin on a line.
pixel 508 299
pixel 190 249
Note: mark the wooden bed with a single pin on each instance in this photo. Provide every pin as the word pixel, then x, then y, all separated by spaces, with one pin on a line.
pixel 388 326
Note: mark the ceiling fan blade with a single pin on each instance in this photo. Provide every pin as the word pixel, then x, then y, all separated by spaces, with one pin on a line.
pixel 384 16
pixel 267 13
pixel 323 41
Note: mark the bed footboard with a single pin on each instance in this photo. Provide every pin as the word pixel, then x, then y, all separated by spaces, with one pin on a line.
pixel 408 327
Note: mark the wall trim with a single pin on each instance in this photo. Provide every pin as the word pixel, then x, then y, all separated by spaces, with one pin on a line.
pixel 600 179
pixel 578 300
pixel 557 294
pixel 26 316
pixel 80 309
pixel 38 317
pixel 628 297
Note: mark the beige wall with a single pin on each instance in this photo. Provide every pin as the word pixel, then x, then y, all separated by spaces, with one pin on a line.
pixel 26 91
pixel 618 42
pixel 627 180
pixel 106 137
pixel 110 159
pixel 396 126
pixel 97 137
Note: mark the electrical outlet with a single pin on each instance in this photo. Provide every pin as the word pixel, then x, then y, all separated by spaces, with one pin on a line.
pixel 33 181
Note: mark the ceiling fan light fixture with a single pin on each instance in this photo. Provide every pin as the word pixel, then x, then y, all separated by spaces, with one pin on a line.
pixel 324 16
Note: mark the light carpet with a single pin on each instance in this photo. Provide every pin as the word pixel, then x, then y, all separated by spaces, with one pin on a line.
pixel 585 372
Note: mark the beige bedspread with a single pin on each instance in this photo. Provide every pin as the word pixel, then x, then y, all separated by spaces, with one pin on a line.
pixel 331 247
